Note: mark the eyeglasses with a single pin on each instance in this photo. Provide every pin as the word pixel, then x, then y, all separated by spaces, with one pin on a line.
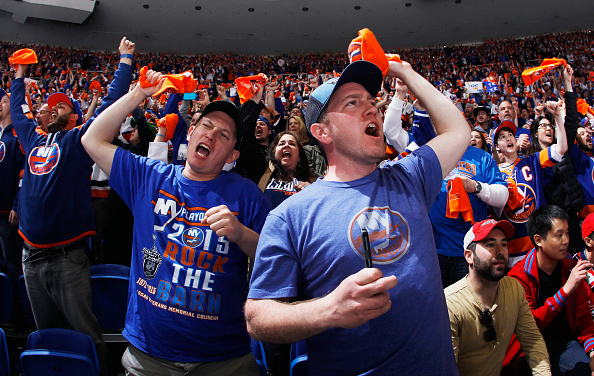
pixel 545 125
pixel 487 320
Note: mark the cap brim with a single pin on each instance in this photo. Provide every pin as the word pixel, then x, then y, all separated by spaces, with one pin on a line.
pixel 56 98
pixel 361 72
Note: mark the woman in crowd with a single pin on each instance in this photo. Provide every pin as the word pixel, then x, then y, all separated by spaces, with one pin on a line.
pixel 317 163
pixel 288 171
pixel 478 140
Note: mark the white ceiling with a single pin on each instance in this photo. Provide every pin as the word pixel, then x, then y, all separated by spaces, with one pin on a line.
pixel 282 26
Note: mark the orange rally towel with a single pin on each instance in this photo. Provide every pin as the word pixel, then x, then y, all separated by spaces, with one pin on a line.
pixel 515 198
pixel 178 83
pixel 246 86
pixel 532 75
pixel 169 122
pixel 366 47
pixel 584 107
pixel 95 85
pixel 24 56
pixel 458 201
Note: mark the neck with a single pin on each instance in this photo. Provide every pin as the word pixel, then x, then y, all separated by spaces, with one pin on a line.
pixel 510 159
pixel 589 254
pixel 484 289
pixel 346 172
pixel 545 263
pixel 5 122
pixel 188 173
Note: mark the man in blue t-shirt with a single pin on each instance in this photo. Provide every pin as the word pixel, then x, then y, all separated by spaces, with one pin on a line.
pixel 194 228
pixel 354 319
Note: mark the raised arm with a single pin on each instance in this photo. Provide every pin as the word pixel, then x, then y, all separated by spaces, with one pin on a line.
pixel 557 109
pixel 452 130
pixel 97 140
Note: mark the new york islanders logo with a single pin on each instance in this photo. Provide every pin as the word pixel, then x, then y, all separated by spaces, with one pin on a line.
pixel 43 160
pixel 2 151
pixel 527 205
pixel 389 234
pixel 193 237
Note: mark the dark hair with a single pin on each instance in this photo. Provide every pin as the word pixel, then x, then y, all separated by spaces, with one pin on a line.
pixel 302 172
pixel 534 144
pixel 484 144
pixel 472 247
pixel 541 221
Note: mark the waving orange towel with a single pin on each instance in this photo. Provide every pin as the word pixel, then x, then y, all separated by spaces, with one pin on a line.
pixel 584 107
pixel 95 85
pixel 458 201
pixel 532 75
pixel 178 83
pixel 169 122
pixel 366 47
pixel 24 56
pixel 515 199
pixel 246 86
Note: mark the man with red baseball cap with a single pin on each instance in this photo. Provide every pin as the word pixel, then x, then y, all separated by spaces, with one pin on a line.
pixel 486 308
pixel 587 253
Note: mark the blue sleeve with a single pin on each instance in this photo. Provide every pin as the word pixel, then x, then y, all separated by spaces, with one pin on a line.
pixel 423 130
pixel 24 127
pixel 118 88
pixel 491 172
pixel 130 174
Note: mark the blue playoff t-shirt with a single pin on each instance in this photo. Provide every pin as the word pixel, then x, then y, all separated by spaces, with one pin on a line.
pixel 312 241
pixel 187 285
pixel 475 164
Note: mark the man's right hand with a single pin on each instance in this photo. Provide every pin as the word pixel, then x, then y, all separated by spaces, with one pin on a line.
pixel 578 274
pixel 359 298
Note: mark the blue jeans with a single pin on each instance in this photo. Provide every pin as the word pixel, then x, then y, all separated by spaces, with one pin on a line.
pixel 572 362
pixel 11 243
pixel 60 292
pixel 452 269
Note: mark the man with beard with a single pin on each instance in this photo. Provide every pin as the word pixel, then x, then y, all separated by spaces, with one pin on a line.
pixel 486 308
pixel 56 214
pixel 481 114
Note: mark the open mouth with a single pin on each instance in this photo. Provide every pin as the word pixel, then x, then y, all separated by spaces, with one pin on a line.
pixel 372 130
pixel 203 150
pixel 259 131
pixel 472 143
pixel 286 154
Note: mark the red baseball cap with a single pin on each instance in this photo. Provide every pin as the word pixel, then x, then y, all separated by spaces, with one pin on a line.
pixel 588 226
pixel 481 229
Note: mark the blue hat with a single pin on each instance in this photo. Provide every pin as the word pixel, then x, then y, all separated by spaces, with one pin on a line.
pixel 262 118
pixel 2 93
pixel 362 72
pixel 56 98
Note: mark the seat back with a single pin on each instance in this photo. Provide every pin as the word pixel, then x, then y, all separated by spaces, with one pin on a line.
pixel 260 355
pixel 5 299
pixel 110 300
pixel 4 360
pixel 60 340
pixel 298 359
pixel 110 269
pixel 58 363
pixel 25 302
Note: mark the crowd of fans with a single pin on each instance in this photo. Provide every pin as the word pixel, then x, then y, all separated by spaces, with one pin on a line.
pixel 506 172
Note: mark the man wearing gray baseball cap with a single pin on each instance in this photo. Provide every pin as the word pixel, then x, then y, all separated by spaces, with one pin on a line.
pixel 312 246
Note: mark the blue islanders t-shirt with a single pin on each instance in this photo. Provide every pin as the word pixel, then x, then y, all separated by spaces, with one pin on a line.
pixel 187 285
pixel 312 241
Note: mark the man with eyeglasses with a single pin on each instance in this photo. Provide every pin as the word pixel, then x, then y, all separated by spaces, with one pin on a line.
pixel 43 117
pixel 557 293
pixel 486 308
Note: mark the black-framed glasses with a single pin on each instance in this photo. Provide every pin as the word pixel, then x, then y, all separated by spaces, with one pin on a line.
pixel 487 320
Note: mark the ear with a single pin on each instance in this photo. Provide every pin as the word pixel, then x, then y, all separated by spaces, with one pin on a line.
pixel 74 117
pixel 233 156
pixel 589 242
pixel 469 256
pixel 190 131
pixel 321 132
pixel 538 240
